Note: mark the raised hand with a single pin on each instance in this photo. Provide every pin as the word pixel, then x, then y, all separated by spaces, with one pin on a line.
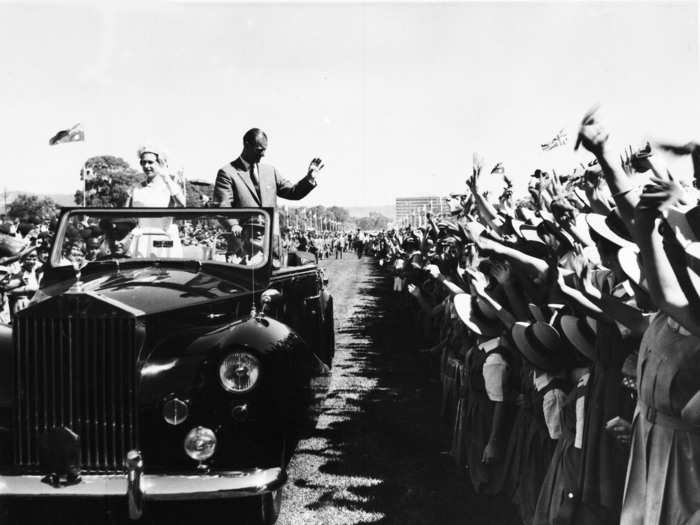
pixel 501 272
pixel 626 162
pixel 478 281
pixel 433 270
pixel 662 192
pixel 591 133
pixel 315 166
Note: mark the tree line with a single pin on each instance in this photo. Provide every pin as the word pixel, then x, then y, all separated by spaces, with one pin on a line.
pixel 107 180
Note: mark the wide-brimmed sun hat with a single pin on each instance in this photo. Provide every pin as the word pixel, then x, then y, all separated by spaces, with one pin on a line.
pixel 611 228
pixel 540 344
pixel 474 313
pixel 581 333
pixel 629 264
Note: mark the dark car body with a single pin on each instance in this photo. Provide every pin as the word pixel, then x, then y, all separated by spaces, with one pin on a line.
pixel 112 366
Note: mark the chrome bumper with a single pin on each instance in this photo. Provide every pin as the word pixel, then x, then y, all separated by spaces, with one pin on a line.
pixel 154 487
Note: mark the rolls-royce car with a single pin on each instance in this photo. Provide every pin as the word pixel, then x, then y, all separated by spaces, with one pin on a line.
pixel 179 358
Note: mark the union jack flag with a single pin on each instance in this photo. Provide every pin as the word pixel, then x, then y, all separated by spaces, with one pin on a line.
pixel 559 140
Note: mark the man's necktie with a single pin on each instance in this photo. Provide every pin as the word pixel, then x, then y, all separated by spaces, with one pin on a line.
pixel 254 178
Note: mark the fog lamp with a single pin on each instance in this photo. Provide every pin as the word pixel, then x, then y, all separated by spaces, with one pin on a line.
pixel 175 411
pixel 200 443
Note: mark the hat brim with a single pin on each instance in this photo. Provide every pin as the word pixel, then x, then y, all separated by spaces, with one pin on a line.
pixel 519 337
pixel 596 222
pixel 571 330
pixel 529 233
pixel 465 311
pixel 535 312
pixel 629 264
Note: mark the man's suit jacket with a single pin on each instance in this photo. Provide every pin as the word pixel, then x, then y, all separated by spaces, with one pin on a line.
pixel 235 189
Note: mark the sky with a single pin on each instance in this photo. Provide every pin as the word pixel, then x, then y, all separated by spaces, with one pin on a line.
pixel 394 97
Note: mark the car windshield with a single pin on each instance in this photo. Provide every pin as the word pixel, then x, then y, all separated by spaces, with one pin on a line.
pixel 149 234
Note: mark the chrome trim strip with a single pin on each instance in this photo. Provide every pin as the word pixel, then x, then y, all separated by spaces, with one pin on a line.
pixel 154 486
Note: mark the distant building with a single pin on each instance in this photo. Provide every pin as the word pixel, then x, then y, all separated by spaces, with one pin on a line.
pixel 411 210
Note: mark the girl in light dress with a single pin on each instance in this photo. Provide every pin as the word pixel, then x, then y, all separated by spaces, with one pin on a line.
pixel 156 236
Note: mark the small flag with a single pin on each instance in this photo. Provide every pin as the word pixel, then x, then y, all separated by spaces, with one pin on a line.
pixel 559 140
pixel 74 134
pixel 498 169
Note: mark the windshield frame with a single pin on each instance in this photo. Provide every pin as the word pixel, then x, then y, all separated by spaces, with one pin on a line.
pixel 183 213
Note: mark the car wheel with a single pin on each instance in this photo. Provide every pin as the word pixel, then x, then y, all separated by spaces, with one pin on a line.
pixel 270 505
pixel 328 339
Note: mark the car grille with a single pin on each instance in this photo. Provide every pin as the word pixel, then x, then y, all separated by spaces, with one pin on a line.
pixel 77 372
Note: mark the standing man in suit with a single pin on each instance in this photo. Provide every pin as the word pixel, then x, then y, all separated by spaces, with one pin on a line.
pixel 247 183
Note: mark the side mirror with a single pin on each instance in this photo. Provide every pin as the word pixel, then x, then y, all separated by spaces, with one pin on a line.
pixel 269 298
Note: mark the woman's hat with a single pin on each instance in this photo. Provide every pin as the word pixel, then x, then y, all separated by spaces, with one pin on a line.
pixel 529 233
pixel 629 263
pixel 474 314
pixel 540 344
pixel 535 312
pixel 685 224
pixel 581 333
pixel 611 228
pixel 551 227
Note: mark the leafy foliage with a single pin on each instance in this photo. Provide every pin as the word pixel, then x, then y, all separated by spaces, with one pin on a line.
pixel 199 194
pixel 375 221
pixel 107 182
pixel 26 206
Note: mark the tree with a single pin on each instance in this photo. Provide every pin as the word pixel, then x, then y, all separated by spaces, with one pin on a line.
pixel 375 221
pixel 199 193
pixel 108 180
pixel 26 206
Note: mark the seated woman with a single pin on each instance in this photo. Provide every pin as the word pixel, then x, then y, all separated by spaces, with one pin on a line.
pixel 157 236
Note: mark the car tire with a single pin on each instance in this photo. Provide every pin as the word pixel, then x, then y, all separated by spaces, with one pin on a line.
pixel 328 338
pixel 269 507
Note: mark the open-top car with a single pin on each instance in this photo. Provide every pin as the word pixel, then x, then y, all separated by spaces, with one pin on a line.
pixel 174 361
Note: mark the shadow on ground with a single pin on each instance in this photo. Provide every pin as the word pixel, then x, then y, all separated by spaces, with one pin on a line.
pixel 378 454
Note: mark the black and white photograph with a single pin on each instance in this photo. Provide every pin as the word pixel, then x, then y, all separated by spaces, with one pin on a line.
pixel 350 263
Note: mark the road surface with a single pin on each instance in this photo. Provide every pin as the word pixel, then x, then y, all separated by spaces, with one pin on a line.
pixel 378 453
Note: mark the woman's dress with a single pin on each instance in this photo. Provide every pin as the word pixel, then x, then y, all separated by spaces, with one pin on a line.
pixel 479 412
pixel 604 460
pixel 530 447
pixel 663 477
pixel 560 490
pixel 155 237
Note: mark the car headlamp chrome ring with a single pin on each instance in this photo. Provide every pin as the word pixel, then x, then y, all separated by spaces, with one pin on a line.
pixel 239 372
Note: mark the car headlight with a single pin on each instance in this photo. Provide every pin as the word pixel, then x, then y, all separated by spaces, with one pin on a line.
pixel 200 443
pixel 239 372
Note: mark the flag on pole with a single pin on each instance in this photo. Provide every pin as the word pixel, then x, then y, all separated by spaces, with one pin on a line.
pixel 498 169
pixel 74 134
pixel 559 140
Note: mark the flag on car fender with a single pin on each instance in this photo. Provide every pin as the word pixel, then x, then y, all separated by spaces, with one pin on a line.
pixel 74 134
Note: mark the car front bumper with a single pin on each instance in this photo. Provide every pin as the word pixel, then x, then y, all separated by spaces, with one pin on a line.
pixel 144 487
